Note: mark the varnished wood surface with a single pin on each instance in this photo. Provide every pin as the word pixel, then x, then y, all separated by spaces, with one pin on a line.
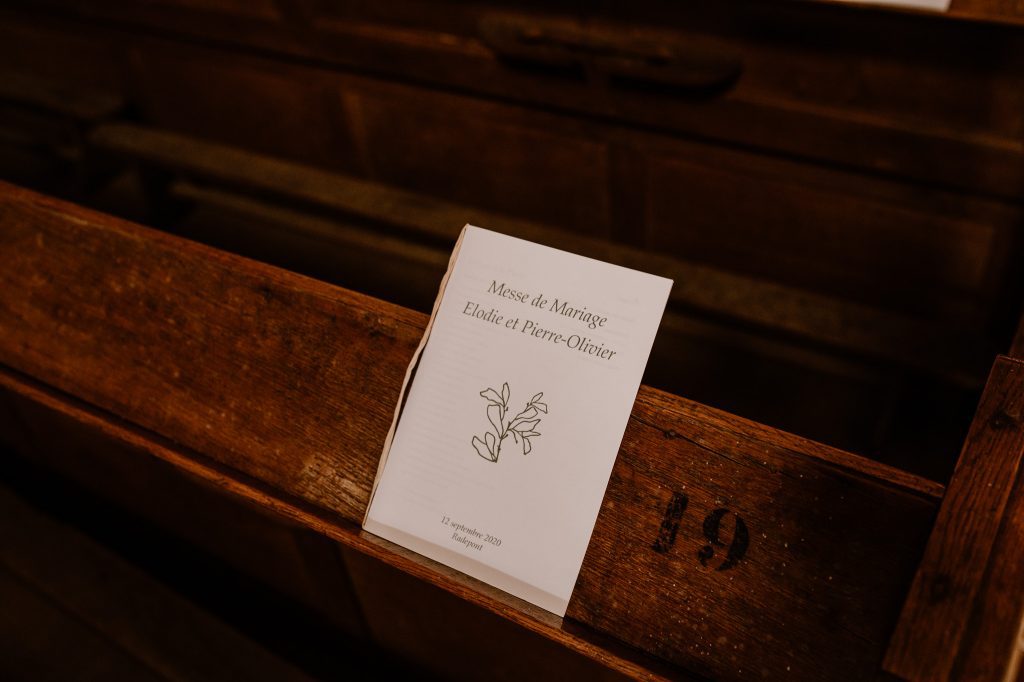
pixel 964 610
pixel 280 388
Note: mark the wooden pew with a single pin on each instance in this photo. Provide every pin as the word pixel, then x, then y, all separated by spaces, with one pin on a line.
pixel 276 389
pixel 209 173
pixel 830 255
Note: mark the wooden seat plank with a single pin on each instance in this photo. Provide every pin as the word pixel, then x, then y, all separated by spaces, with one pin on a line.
pixel 281 388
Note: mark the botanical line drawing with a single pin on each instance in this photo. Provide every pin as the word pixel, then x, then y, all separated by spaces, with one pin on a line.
pixel 522 427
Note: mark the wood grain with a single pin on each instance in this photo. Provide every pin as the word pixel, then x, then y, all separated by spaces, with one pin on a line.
pixel 976 534
pixel 307 392
pixel 280 389
pixel 816 539
pixel 996 632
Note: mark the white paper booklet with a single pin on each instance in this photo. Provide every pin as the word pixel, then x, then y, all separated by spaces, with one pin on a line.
pixel 498 460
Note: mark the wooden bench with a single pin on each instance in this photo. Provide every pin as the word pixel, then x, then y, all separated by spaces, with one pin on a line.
pixel 844 239
pixel 724 548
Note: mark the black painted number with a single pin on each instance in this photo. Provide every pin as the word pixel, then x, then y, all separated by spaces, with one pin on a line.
pixel 713 531
pixel 715 527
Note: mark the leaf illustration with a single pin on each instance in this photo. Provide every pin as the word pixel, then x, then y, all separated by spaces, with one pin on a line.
pixel 492 396
pixel 481 449
pixel 529 413
pixel 524 427
pixel 494 415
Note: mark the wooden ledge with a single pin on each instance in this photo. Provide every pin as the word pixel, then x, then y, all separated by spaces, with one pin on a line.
pixel 965 611
pixel 723 547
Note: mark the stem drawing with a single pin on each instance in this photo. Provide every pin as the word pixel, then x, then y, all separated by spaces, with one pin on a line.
pixel 522 427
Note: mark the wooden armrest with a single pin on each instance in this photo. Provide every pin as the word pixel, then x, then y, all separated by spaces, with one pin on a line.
pixel 723 547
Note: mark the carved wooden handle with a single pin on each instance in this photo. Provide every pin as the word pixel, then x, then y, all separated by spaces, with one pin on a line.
pixel 626 58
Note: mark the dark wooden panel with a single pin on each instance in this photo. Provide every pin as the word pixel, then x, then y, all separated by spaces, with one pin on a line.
pixel 1017 349
pixel 289 559
pixel 418 229
pixel 900 247
pixel 64 54
pixel 933 632
pixel 822 82
pixel 459 148
pixel 284 388
pixel 124 608
pixel 496 157
pixel 456 639
pixel 265 24
pixel 257 103
pixel 42 642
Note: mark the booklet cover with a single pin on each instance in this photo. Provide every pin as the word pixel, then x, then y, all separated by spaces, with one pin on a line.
pixel 513 411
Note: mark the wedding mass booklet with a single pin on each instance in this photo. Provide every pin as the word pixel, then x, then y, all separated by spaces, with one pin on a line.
pixel 513 411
